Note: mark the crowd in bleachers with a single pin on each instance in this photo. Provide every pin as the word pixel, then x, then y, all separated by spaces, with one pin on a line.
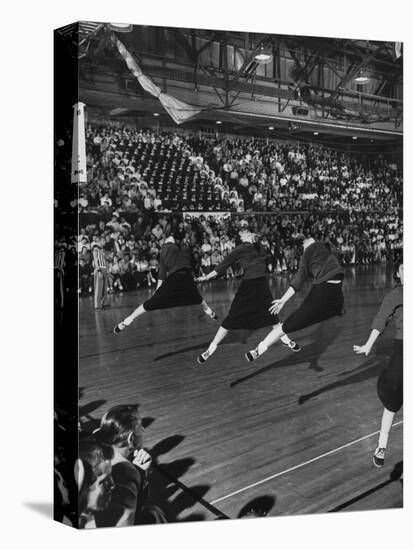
pixel 139 170
pixel 137 179
pixel 131 244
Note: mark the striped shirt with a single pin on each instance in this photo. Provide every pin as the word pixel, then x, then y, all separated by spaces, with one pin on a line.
pixel 99 260
pixel 59 259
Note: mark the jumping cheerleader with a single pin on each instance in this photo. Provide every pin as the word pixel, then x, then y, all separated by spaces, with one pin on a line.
pixel 175 288
pixel 325 299
pixel 390 382
pixel 249 309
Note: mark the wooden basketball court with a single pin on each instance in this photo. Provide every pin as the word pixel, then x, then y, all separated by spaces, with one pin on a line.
pixel 296 431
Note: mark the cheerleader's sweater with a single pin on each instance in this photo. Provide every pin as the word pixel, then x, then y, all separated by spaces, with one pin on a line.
pixel 318 262
pixel 391 308
pixel 172 259
pixel 252 260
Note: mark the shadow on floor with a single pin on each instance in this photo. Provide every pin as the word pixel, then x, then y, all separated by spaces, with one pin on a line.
pixel 258 507
pixel 235 336
pixel 368 369
pixel 309 354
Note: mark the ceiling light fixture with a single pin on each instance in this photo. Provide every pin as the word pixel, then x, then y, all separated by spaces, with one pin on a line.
pixel 219 122
pixel 264 56
pixel 270 127
pixel 361 78
pixel 120 27
pixel 316 133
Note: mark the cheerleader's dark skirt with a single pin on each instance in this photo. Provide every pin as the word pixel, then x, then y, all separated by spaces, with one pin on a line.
pixel 178 290
pixel 249 309
pixel 390 381
pixel 323 302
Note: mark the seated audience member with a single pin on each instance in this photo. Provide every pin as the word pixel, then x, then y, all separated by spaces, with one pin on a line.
pixel 85 277
pixel 142 274
pixel 153 269
pixel 114 274
pixel 205 267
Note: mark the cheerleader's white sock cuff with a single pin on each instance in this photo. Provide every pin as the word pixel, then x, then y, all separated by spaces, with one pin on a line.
pixel 262 348
pixel 383 439
pixel 212 347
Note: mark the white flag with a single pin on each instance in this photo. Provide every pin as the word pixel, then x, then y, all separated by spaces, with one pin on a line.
pixel 78 172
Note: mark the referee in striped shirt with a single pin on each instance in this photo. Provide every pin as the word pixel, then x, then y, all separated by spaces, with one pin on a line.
pixel 100 277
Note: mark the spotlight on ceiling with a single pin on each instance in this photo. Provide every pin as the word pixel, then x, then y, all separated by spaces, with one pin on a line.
pixel 354 137
pixel 155 114
pixel 270 127
pixel 121 27
pixel 264 56
pixel 316 133
pixel 219 121
pixel 361 78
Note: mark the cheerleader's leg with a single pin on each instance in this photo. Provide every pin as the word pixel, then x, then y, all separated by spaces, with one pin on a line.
pixel 207 310
pixel 219 336
pixel 276 334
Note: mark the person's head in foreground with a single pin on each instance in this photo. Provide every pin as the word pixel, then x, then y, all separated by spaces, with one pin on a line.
pixel 93 477
pixel 121 428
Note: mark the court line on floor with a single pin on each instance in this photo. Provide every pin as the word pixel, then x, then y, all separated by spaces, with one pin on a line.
pixel 288 470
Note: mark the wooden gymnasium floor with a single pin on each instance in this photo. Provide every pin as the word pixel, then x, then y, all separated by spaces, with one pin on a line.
pixel 296 431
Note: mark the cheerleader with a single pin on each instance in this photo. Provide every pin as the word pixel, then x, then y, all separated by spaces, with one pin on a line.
pixel 390 382
pixel 249 309
pixel 175 287
pixel 325 299
pixel 100 277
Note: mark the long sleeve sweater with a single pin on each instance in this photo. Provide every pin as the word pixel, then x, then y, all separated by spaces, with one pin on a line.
pixel 391 308
pixel 318 262
pixel 172 259
pixel 253 261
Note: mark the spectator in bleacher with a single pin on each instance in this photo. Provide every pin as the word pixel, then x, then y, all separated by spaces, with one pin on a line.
pixel 85 276
pixel 288 177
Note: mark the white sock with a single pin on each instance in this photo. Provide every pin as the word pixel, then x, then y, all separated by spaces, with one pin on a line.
pixel 386 424
pixel 262 348
pixel 212 348
pixel 285 340
pixel 383 439
pixel 128 321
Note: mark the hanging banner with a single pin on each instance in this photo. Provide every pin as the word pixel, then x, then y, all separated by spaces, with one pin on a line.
pixel 78 170
pixel 177 110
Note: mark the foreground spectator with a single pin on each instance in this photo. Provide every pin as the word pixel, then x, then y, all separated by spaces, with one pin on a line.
pixel 121 429
pixel 95 484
